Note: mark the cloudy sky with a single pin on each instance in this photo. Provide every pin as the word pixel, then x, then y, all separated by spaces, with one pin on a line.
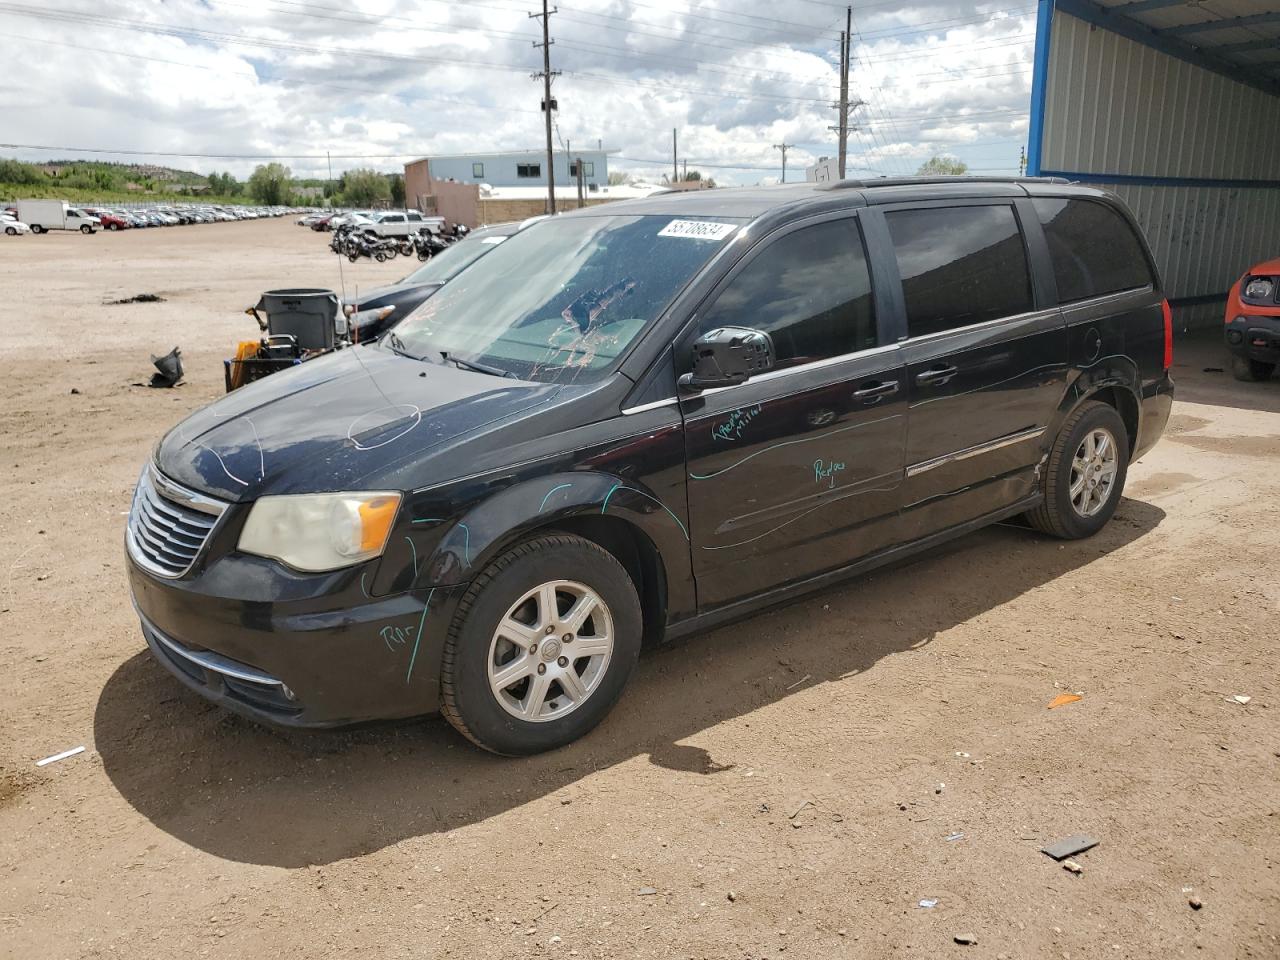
pixel 375 82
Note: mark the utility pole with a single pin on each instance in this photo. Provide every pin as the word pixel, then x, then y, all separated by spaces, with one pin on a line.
pixel 784 147
pixel 582 184
pixel 843 124
pixel 675 167
pixel 547 103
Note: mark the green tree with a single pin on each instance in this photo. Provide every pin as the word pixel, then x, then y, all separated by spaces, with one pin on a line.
pixel 269 184
pixel 363 188
pixel 396 184
pixel 943 166
pixel 15 171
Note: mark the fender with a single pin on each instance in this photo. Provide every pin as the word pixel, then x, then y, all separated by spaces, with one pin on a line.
pixel 451 551
pixel 1117 371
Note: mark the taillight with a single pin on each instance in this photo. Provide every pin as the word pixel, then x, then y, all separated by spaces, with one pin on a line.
pixel 1168 333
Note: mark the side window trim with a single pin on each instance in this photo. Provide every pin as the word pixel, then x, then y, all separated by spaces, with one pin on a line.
pixel 892 265
pixel 1044 283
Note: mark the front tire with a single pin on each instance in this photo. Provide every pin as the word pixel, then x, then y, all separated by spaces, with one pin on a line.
pixel 86 229
pixel 1250 371
pixel 1084 477
pixel 541 646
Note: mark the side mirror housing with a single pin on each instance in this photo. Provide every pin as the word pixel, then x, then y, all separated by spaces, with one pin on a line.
pixel 727 356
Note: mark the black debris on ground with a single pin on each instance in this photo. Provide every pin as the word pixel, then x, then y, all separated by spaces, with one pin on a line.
pixel 137 298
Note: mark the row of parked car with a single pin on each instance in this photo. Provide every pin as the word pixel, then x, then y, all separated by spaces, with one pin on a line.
pixel 381 223
pixel 41 216
pixel 124 219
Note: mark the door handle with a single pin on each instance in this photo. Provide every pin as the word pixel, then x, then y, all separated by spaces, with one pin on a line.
pixel 873 391
pixel 938 374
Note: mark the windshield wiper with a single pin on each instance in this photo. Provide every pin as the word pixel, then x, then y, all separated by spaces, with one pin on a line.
pixel 397 346
pixel 476 365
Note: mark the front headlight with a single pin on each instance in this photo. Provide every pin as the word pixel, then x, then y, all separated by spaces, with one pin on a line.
pixel 315 532
pixel 1259 288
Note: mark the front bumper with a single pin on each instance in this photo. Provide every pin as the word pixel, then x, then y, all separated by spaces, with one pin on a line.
pixel 1254 337
pixel 333 658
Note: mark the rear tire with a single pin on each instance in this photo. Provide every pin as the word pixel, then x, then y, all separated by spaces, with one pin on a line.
pixel 1084 477
pixel 503 629
pixel 11 231
pixel 36 228
pixel 1251 371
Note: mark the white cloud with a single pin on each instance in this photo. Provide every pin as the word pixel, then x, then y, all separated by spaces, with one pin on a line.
pixel 412 77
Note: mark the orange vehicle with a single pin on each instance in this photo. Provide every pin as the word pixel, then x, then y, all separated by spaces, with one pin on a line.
pixel 1253 322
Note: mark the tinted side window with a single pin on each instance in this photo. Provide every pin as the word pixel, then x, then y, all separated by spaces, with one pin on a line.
pixel 960 266
pixel 1094 250
pixel 810 290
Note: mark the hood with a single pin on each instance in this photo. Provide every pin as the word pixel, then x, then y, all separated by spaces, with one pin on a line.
pixel 341 422
pixel 1266 268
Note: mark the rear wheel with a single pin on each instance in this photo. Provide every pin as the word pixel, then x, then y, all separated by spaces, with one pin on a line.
pixel 1242 368
pixel 1085 474
pixel 11 231
pixel 36 228
pixel 113 226
pixel 541 646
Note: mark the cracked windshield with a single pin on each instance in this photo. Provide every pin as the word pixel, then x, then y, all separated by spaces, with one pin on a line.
pixel 561 300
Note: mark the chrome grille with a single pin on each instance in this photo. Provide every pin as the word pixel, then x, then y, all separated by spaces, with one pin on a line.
pixel 169 524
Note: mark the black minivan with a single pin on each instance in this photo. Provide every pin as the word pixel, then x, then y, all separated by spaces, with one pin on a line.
pixel 643 419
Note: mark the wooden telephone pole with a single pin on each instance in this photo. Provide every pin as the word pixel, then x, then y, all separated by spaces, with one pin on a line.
pixel 548 104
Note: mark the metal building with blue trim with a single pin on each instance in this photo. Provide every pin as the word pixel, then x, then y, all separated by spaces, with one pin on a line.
pixel 1175 106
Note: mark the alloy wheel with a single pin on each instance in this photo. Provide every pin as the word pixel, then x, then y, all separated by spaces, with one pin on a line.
pixel 550 651
pixel 1093 472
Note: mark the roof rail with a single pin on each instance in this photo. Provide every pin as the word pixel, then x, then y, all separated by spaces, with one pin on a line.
pixel 911 181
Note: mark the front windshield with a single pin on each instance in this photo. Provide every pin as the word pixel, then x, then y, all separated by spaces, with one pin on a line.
pixel 562 299
pixel 448 263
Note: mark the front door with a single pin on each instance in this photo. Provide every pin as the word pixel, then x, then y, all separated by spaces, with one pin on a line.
pixel 799 470
pixel 986 360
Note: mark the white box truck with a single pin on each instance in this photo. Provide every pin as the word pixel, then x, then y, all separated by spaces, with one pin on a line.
pixel 44 215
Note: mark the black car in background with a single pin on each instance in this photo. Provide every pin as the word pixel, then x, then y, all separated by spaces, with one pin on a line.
pixel 643 419
pixel 405 295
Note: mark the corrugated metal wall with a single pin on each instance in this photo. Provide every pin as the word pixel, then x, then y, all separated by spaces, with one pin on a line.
pixel 1114 106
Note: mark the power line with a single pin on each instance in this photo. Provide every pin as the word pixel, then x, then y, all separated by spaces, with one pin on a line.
pixel 213 156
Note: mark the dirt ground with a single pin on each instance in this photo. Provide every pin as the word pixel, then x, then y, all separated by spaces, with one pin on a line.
pixel 787 787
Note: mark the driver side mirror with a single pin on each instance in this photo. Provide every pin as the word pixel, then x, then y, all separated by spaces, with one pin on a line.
pixel 727 356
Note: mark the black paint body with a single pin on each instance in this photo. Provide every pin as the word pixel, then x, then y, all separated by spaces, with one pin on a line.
pixel 717 502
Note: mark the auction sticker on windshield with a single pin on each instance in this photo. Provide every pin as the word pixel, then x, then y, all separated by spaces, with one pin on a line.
pixel 697 229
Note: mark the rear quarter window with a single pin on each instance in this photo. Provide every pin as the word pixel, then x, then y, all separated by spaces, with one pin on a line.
pixel 1094 250
pixel 960 266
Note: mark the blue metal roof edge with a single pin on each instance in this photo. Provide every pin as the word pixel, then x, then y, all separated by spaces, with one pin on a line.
pixel 1039 86
pixel 1149 37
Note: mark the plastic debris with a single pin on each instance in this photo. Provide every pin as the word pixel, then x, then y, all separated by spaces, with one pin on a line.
pixel 1069 846
pixel 929 903
pixel 1072 866
pixel 60 756
pixel 646 892
pixel 966 939
pixel 1241 698
pixel 1063 699
pixel 955 836
pixel 168 369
